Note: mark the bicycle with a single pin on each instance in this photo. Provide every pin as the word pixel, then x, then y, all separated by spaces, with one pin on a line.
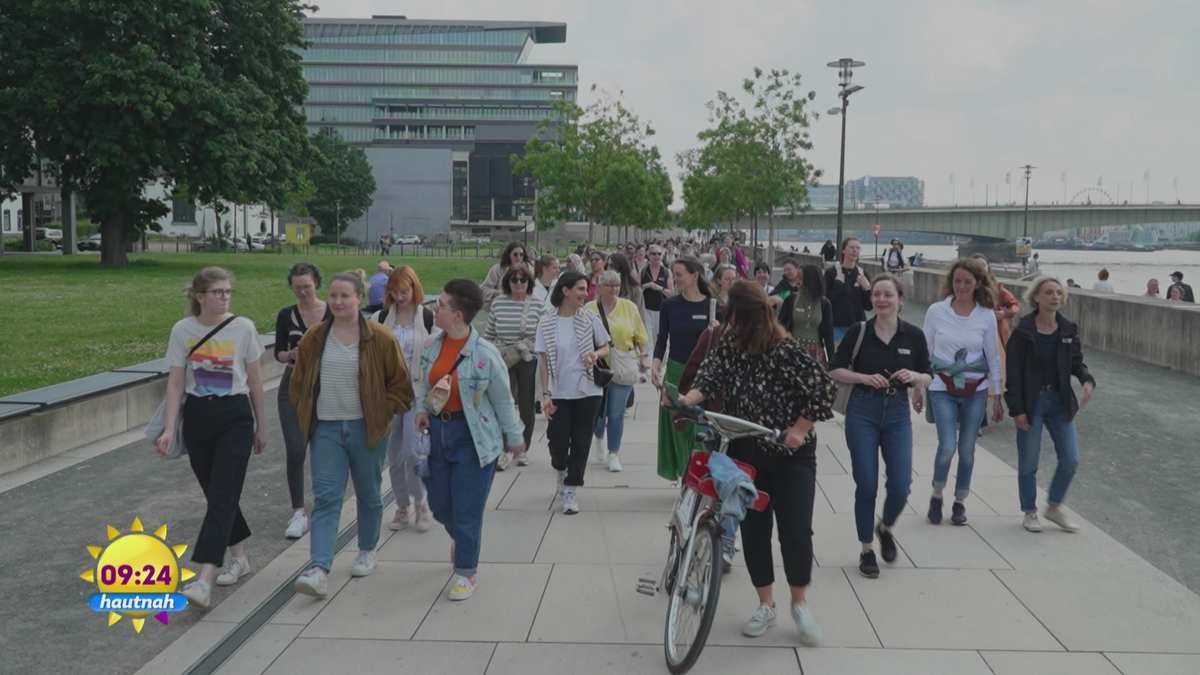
pixel 692 575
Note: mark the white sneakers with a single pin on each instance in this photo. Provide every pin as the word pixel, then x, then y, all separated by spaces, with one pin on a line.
pixel 297 526
pixel 523 459
pixel 503 460
pixel 614 464
pixel 570 502
pixel 1060 519
pixel 810 632
pixel 313 583
pixel 198 593
pixel 238 568
pixel 1031 523
pixel 364 564
pixel 599 449
pixel 764 618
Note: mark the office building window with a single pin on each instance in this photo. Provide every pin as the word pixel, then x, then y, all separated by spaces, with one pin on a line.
pixel 460 191
pixel 8 221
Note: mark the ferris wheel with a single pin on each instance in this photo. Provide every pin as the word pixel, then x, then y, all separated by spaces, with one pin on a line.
pixel 1092 195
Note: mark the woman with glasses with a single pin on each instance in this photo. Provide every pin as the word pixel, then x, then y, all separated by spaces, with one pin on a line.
pixel 305 280
pixel 624 325
pixel 215 377
pixel 656 287
pixel 569 342
pixel 514 254
pixel 639 261
pixel 683 318
pixel 512 328
pixel 411 323
pixel 474 425
pixel 349 384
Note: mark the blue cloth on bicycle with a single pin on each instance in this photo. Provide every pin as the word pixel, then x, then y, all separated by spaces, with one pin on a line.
pixel 734 486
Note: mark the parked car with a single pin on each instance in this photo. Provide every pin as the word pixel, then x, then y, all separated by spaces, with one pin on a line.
pixel 409 239
pixel 92 243
pixel 54 237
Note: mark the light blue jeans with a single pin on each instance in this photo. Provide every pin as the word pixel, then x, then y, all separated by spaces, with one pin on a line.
pixel 958 419
pixel 1048 412
pixel 337 449
pixel 612 414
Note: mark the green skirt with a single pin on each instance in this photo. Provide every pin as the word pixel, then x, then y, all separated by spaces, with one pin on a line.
pixel 674 447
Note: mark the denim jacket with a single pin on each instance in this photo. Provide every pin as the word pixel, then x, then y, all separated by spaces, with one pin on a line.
pixel 486 395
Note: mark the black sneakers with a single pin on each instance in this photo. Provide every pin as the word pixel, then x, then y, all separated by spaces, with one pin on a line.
pixel 958 515
pixel 887 544
pixel 935 510
pixel 867 565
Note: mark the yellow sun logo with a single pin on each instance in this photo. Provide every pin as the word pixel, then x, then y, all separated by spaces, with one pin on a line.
pixel 137 575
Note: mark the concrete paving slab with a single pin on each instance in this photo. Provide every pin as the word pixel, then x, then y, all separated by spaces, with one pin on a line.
pixel 658 501
pixel 891 661
pixel 260 585
pixel 302 609
pixel 1093 611
pixel 945 546
pixel 1048 663
pixel 635 538
pixel 840 491
pixel 577 539
pixel 257 655
pixel 600 659
pixel 580 605
pixel 502 609
pixel 181 654
pixel 835 542
pixel 949 609
pixel 1155 664
pixel 390 604
pixel 321 657
pixel 530 491
pixel 1055 549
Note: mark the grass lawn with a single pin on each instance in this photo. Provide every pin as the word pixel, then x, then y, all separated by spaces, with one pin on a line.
pixel 65 318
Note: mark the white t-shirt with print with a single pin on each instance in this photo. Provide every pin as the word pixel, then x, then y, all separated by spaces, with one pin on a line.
pixel 218 368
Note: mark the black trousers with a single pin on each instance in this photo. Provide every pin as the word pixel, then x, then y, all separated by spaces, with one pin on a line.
pixel 524 382
pixel 791 481
pixel 570 435
pixel 219 433
pixel 294 442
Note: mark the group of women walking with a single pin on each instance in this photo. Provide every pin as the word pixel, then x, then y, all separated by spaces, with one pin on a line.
pixel 446 405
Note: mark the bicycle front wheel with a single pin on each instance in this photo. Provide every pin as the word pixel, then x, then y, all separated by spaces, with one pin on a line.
pixel 693 603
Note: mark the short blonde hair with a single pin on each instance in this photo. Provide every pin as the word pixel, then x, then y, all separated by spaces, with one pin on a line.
pixel 1036 287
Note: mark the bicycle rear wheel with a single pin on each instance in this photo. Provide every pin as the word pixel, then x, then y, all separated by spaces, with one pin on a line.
pixel 693 604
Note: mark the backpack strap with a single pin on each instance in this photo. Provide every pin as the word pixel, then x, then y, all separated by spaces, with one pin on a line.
pixel 211 333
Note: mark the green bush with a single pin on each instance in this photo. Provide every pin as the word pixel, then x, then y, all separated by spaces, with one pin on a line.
pixel 16 244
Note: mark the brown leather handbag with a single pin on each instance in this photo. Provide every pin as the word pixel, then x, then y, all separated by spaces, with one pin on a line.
pixel 969 386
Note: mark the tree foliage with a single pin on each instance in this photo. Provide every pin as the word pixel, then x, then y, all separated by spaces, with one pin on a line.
pixel 751 158
pixel 343 186
pixel 115 94
pixel 597 161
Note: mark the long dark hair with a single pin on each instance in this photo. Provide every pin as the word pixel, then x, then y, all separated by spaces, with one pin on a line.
pixel 813 283
pixel 619 263
pixel 506 256
pixel 693 266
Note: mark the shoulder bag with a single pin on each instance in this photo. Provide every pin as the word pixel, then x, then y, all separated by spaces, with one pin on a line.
pixel 842 400
pixel 158 423
pixel 624 364
pixel 512 353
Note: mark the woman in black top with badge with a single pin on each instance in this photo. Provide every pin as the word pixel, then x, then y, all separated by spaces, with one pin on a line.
pixel 848 289
pixel 1044 352
pixel 883 358
pixel 304 279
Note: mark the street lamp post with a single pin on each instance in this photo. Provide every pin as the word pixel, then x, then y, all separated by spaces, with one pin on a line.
pixel 1028 172
pixel 846 72
pixel 338 224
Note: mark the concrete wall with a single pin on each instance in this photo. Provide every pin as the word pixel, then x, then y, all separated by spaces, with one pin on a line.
pixel 30 439
pixel 414 192
pixel 1152 331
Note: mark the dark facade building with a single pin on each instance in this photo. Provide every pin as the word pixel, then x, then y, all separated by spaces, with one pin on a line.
pixel 439 107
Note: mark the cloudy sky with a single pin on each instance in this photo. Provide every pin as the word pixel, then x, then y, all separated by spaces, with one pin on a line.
pixel 972 87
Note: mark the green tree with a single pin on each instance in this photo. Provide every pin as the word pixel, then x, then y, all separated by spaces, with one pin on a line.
pixel 751 159
pixel 343 184
pixel 115 94
pixel 586 160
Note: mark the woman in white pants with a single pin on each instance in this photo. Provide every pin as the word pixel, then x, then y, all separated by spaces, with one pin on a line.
pixel 411 323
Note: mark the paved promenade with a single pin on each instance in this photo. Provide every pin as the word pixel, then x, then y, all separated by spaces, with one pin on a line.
pixel 557 593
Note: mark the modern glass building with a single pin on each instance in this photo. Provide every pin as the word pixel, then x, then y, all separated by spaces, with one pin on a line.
pixel 439 107
pixel 892 192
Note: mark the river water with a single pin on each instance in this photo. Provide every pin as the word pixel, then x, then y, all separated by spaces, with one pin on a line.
pixel 1128 271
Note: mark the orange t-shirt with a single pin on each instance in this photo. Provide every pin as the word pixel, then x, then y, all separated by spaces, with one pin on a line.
pixel 443 364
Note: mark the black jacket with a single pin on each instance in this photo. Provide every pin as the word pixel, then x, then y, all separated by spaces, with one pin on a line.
pixel 850 302
pixel 829 252
pixel 1024 379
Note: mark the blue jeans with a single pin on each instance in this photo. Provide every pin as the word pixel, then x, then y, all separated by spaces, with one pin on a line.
pixel 962 416
pixel 338 448
pixel 879 424
pixel 612 414
pixel 1048 412
pixel 840 333
pixel 458 489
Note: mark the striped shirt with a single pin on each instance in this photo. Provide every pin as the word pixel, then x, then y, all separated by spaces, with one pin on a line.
pixel 504 320
pixel 339 398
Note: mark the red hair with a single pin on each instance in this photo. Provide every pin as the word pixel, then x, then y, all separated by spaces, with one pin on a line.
pixel 403 278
